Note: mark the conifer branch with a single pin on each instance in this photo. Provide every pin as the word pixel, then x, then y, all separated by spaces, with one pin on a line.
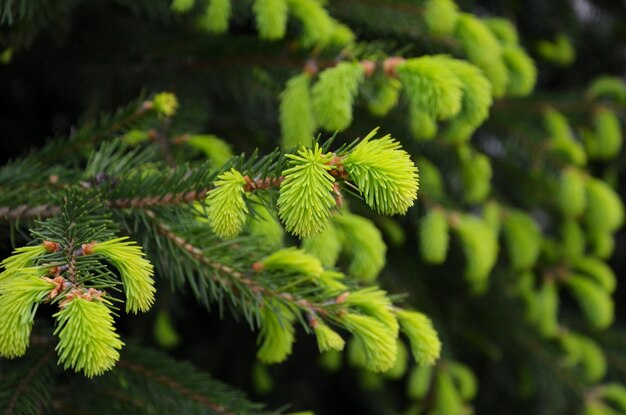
pixel 173 384
pixel 28 212
pixel 169 199
pixel 25 381
pixel 241 277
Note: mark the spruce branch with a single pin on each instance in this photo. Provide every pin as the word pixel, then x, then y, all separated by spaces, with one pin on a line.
pixel 245 279
pixel 171 383
pixel 31 391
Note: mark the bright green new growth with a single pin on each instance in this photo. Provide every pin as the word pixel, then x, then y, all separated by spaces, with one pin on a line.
pixel 317 25
pixel 447 399
pixel 333 94
pixel 182 6
pixel 522 71
pixel 476 175
pixel 363 243
pixel 294 260
pixel 215 149
pixel 19 299
pixel 607 87
pixel 562 141
pixel 605 211
pixel 585 353
pixel 277 333
pixel 385 98
pixel 431 181
pixel 271 18
pixel 266 227
pixel 306 192
pixel 165 104
pixel 135 270
pixel 606 140
pixel 88 342
pixel 226 206
pixel 330 281
pixel 375 303
pixel 262 380
pixel 615 394
pixel 326 246
pixel 547 307
pixel 523 238
pixel 425 343
pixel 384 174
pixel 431 86
pixel 599 271
pixel 399 367
pixel 475 102
pixel 296 114
pixel 164 332
pixel 560 52
pixel 480 245
pixel 595 302
pixel 216 17
pixel 602 244
pixel 572 193
pixel 374 339
pixel 483 49
pixel 434 236
pixel 419 382
pixel 492 215
pixel 504 30
pixel 441 16
pixel 423 126
pixel 327 338
pixel 464 378
pixel 22 257
pixel 572 240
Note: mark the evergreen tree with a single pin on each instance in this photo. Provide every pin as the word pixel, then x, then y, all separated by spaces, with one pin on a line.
pixel 412 205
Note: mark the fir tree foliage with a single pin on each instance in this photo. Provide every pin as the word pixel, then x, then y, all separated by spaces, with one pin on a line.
pixel 216 16
pixel 215 228
pixel 594 301
pixel 431 87
pixel 19 298
pixel 572 193
pixel 385 97
pixel 213 147
pixel 425 343
pixel 226 207
pixel 441 16
pixel 475 103
pixel 607 87
pixel 374 340
pixel 434 236
pixel 135 270
pixel 480 245
pixel 326 245
pixel 523 238
pixel 605 141
pixel 484 50
pixel 362 243
pixel 563 142
pixel 306 193
pixel 333 94
pixel 271 18
pixel 328 339
pixel 87 340
pixel 277 334
pixel 266 226
pixel 296 114
pixel 384 174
